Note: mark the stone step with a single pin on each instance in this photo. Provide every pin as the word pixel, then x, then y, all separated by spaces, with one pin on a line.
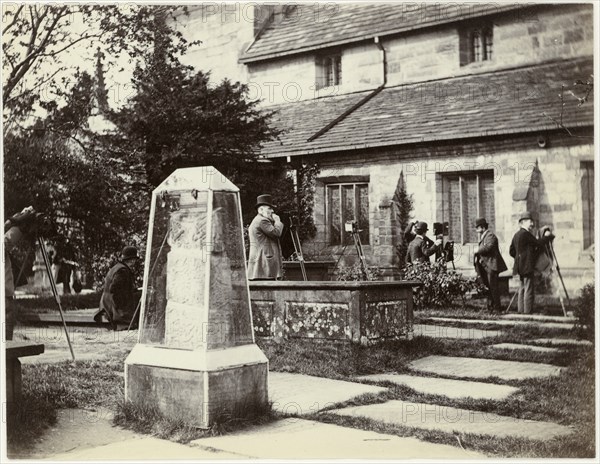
pixel 505 322
pixel 518 346
pixel 478 368
pixel 562 341
pixel 452 420
pixel 462 333
pixel 538 318
pixel 78 316
pixel 300 394
pixel 446 387
pixel 302 439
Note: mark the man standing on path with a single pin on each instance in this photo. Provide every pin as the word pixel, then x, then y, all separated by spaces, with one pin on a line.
pixel 489 263
pixel 421 247
pixel 120 296
pixel 525 249
pixel 265 260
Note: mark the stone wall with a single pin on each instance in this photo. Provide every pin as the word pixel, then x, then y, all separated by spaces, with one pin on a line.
pixel 554 193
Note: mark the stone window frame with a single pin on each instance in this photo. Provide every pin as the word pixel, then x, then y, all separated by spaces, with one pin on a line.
pixel 441 209
pixel 328 182
pixel 328 69
pixel 476 43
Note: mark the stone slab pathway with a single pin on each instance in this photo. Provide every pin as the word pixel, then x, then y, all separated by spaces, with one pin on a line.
pixel 440 331
pixel 301 439
pixel 478 368
pixel 448 419
pixel 88 343
pixel 518 346
pixel 447 387
pixel 538 318
pixel 304 394
pixel 505 322
pixel 563 341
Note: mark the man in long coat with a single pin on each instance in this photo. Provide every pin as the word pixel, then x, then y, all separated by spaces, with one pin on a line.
pixel 489 262
pixel 525 249
pixel 120 297
pixel 422 247
pixel 265 260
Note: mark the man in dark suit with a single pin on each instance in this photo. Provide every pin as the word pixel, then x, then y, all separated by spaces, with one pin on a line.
pixel 422 247
pixel 265 259
pixel 525 249
pixel 489 262
pixel 120 296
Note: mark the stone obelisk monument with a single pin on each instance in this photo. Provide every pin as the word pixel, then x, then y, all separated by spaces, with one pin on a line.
pixel 196 358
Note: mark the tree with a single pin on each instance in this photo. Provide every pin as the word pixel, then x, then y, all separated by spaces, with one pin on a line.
pixel 178 119
pixel 403 208
pixel 37 37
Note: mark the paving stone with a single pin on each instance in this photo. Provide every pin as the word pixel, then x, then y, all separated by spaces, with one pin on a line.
pixel 301 439
pixel 145 449
pixel 505 322
pixel 448 419
pixel 447 387
pixel 538 318
pixel 518 346
pixel 304 394
pixel 479 368
pixel 563 341
pixel 440 331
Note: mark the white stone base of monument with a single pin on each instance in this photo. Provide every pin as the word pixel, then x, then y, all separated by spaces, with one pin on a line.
pixel 198 387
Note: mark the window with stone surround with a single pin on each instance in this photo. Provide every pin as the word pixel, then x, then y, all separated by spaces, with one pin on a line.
pixel 329 70
pixel 347 202
pixel 465 197
pixel 587 201
pixel 476 44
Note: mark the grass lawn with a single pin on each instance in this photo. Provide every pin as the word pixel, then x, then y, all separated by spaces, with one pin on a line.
pixel 568 399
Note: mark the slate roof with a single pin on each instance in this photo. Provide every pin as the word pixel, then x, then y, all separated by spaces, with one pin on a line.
pixel 500 102
pixel 319 25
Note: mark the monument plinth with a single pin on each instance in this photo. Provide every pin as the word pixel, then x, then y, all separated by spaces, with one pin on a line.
pixel 196 358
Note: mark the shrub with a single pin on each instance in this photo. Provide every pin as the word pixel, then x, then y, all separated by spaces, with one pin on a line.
pixel 354 273
pixel 440 286
pixel 584 312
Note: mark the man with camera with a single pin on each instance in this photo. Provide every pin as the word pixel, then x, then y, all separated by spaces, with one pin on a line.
pixel 489 263
pixel 422 247
pixel 526 250
pixel 16 228
pixel 265 259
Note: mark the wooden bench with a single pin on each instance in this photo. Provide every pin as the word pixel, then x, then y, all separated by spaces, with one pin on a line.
pixel 14 351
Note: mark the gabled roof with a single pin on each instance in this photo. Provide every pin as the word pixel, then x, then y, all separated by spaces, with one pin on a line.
pixel 320 25
pixel 501 102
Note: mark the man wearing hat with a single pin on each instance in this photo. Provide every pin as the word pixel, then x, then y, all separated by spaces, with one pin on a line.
pixel 120 296
pixel 421 247
pixel 265 260
pixel 525 249
pixel 489 262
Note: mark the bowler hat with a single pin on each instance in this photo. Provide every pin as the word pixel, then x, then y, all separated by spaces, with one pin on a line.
pixel 421 227
pixel 129 252
pixel 481 222
pixel 526 215
pixel 264 200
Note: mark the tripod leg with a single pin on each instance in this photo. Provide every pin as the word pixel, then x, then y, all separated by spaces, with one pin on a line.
pixel 55 292
pixel 511 301
pixel 298 250
pixel 560 275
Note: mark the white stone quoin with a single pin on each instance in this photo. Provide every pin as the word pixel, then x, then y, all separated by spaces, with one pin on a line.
pixel 196 358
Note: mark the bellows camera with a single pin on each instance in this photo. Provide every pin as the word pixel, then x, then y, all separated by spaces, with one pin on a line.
pixel 351 226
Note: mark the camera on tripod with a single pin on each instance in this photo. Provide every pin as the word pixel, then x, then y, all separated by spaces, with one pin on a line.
pixel 440 230
pixel 292 218
pixel 351 227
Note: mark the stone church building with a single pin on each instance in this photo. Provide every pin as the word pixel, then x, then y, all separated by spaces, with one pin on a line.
pixel 478 109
